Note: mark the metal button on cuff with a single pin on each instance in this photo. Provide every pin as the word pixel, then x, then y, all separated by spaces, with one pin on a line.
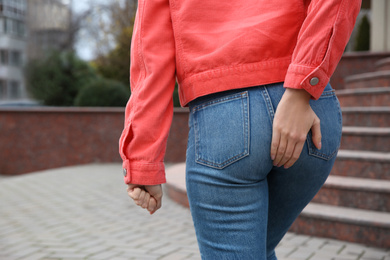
pixel 314 81
pixel 124 172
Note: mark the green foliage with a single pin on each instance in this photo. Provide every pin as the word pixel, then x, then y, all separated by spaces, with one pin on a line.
pixel 56 80
pixel 363 35
pixel 115 65
pixel 176 99
pixel 103 93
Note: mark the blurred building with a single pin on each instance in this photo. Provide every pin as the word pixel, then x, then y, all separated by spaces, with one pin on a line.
pixel 49 23
pixel 380 26
pixel 29 29
pixel 12 48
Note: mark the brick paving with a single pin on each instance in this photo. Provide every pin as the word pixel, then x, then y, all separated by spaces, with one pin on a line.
pixel 83 212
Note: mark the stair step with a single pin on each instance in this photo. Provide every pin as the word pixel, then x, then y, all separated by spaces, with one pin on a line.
pixel 383 64
pixel 364 97
pixel 354 225
pixel 362 164
pixel 368 80
pixel 366 138
pixel 364 156
pixel 355 193
pixel 366 116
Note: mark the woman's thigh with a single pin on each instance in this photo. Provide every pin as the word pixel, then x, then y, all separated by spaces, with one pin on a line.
pixel 226 174
pixel 292 189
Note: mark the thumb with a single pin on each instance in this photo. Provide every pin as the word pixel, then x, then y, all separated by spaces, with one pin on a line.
pixel 316 132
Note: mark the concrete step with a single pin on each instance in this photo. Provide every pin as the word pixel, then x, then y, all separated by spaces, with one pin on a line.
pixel 364 97
pixel 354 225
pixel 366 116
pixel 362 164
pixel 368 80
pixel 355 193
pixel 366 138
pixel 383 64
pixel 348 224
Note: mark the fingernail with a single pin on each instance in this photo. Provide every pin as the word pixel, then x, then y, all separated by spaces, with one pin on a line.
pixel 272 157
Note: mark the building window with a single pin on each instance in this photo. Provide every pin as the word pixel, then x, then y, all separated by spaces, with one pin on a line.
pixel 16 58
pixel 14 27
pixel 1 24
pixel 4 57
pixel 14 89
pixel 3 89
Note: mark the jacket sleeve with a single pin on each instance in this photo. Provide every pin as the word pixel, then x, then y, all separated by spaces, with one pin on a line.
pixel 321 42
pixel 149 111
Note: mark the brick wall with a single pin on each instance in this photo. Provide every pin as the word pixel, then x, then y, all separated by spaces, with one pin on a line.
pixel 33 139
pixel 40 138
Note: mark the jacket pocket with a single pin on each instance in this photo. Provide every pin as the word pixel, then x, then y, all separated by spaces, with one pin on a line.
pixel 221 130
pixel 327 108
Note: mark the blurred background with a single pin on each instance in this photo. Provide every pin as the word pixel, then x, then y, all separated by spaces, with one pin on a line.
pixel 56 52
pixel 64 83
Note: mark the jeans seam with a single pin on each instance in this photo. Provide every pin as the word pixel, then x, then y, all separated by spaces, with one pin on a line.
pixel 247 122
pixel 268 103
pixel 220 100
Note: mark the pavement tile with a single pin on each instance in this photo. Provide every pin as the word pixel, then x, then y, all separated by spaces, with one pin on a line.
pixel 298 240
pixel 84 212
pixel 302 254
pixel 104 255
pixel 314 243
pixel 374 253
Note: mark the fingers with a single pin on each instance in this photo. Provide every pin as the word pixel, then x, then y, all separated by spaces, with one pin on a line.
pixel 152 207
pixel 287 151
pixel 145 198
pixel 316 133
pixel 274 144
pixel 156 193
pixel 295 155
pixel 281 151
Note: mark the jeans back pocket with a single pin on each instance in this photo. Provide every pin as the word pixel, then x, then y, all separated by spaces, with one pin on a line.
pixel 327 108
pixel 221 128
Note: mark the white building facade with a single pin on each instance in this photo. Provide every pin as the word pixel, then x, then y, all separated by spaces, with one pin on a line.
pixel 12 49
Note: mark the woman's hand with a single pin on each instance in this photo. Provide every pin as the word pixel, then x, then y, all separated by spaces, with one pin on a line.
pixel 146 196
pixel 293 120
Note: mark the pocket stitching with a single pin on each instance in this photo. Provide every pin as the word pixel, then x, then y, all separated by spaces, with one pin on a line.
pixel 244 97
pixel 313 151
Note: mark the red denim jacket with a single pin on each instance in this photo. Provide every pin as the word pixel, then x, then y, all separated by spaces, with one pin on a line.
pixel 218 45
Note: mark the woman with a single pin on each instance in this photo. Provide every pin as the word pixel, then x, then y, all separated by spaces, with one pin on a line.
pixel 265 125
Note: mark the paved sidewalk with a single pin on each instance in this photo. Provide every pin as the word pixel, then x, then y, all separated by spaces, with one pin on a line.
pixel 84 213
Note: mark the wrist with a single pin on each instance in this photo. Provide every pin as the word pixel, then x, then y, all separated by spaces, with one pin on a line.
pixel 297 94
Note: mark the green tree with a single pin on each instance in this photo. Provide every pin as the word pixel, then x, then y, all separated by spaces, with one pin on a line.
pixel 113 37
pixel 103 93
pixel 115 65
pixel 363 35
pixel 57 79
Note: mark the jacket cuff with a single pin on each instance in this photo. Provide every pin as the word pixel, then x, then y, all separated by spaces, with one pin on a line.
pixel 313 80
pixel 143 173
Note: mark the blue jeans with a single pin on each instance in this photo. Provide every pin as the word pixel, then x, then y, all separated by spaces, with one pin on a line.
pixel 241 204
